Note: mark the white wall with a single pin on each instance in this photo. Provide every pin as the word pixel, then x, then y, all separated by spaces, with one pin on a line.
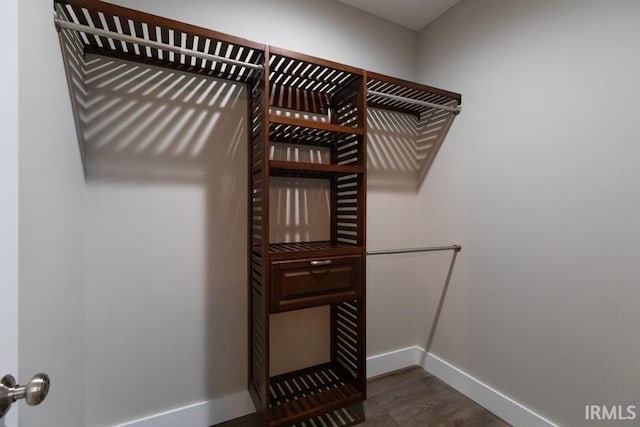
pixel 9 197
pixel 538 180
pixel 165 240
pixel 51 189
pixel 391 222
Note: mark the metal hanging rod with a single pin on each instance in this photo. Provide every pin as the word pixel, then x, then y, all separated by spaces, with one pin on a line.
pixel 454 110
pixel 455 248
pixel 153 44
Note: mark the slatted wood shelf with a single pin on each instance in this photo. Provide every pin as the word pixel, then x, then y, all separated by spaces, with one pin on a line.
pixel 406 89
pixel 299 250
pixel 310 392
pixel 305 83
pixel 311 170
pixel 341 417
pixel 104 16
pixel 293 126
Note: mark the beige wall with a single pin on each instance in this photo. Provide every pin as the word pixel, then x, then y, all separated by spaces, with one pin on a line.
pixel 538 180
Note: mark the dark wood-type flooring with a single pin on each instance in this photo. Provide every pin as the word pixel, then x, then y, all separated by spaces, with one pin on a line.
pixel 411 398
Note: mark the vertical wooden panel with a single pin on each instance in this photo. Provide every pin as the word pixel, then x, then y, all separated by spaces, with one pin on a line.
pixel 265 235
pixel 362 194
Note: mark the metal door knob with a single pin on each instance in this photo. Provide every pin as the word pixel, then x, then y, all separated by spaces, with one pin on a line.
pixel 34 392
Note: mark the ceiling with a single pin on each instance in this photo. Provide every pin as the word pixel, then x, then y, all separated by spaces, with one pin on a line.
pixel 412 14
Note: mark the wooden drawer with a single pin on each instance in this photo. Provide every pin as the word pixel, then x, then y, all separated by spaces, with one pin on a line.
pixel 313 282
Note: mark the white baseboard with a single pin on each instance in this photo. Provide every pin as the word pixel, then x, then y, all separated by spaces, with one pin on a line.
pixel 393 360
pixel 201 414
pixel 239 404
pixel 500 404
pixel 506 408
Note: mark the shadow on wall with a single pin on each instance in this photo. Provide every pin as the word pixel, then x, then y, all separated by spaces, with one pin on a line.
pixel 144 125
pixel 402 148
pixel 143 122
pixel 300 207
pixel 300 210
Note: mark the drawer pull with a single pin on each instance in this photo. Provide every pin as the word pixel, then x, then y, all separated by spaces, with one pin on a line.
pixel 317 263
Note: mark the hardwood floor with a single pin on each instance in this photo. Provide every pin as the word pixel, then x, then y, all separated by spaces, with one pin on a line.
pixel 411 398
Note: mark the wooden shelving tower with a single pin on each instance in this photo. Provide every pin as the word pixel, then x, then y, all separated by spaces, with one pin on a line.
pixel 296 275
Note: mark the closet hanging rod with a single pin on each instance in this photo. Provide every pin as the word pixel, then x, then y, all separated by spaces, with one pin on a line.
pixel 153 44
pixel 454 110
pixel 455 248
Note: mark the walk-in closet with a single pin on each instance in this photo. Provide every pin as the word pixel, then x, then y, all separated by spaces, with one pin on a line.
pixel 150 95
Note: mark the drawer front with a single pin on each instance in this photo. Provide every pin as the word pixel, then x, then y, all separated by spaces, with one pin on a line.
pixel 313 282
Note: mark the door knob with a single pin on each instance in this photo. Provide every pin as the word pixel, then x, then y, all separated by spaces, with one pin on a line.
pixel 33 393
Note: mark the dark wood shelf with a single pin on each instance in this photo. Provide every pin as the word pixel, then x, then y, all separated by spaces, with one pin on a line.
pixel 199 39
pixel 310 170
pixel 305 83
pixel 298 250
pixel 406 89
pixel 310 392
pixel 310 124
